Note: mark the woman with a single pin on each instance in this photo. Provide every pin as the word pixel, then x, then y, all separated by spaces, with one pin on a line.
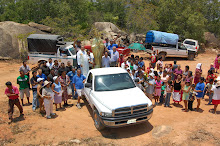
pixel 198 73
pixel 199 89
pixel 39 93
pixel 177 71
pixel 56 87
pixel 185 98
pixel 210 76
pixel 189 77
pixel 216 95
pixel 157 93
pixel 177 89
pixel 56 67
pixel 150 87
pixel 64 81
pixel 48 96
pixel 217 63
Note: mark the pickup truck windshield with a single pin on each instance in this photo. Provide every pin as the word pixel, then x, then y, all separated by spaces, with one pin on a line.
pixel 73 51
pixel 113 82
pixel 190 43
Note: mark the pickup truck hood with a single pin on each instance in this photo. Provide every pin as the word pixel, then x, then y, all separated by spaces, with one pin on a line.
pixel 122 98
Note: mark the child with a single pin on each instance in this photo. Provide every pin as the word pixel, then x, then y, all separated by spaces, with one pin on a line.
pixel 212 68
pixel 186 94
pixel 158 86
pixel 160 71
pixel 169 90
pixel 162 92
pixel 192 95
pixel 209 92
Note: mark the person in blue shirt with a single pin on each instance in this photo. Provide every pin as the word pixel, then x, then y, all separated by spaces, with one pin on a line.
pixel 41 75
pixel 71 75
pixel 200 91
pixel 78 81
pixel 110 47
pixel 141 63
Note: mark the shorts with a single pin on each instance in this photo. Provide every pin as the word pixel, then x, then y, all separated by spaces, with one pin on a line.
pixel 79 92
pixel 24 91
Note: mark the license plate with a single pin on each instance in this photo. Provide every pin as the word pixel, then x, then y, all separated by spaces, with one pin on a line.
pixel 131 121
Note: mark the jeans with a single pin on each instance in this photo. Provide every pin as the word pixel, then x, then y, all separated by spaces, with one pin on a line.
pixel 204 93
pixel 167 99
pixel 190 105
pixel 35 102
pixel 161 98
pixel 210 98
pixel 74 94
pixel 11 104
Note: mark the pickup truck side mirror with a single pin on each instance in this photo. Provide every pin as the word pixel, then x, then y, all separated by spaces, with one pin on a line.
pixel 136 80
pixel 88 85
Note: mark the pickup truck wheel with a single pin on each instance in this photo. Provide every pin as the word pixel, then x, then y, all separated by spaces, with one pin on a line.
pixel 191 57
pixel 98 121
pixel 163 55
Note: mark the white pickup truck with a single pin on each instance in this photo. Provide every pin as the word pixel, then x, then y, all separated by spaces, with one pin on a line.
pixel 41 47
pixel 173 51
pixel 115 99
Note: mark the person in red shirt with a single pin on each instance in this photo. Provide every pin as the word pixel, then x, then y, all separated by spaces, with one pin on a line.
pixel 12 92
pixel 121 59
pixel 153 59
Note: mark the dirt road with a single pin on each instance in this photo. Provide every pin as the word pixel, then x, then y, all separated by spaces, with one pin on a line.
pixel 168 126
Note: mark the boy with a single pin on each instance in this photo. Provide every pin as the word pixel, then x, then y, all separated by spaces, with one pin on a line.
pixel 209 92
pixel 162 92
pixel 192 95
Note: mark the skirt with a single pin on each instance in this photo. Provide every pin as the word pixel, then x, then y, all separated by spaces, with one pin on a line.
pixel 216 102
pixel 57 98
pixel 196 80
pixel 157 92
pixel 176 96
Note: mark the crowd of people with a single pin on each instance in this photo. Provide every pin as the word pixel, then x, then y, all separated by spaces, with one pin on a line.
pixel 52 82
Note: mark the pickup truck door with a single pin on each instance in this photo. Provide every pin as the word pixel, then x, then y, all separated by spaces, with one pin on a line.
pixel 182 51
pixel 87 91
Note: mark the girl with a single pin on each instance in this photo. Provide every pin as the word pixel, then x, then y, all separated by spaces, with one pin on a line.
pixel 169 90
pixel 189 77
pixel 157 94
pixel 185 98
pixel 48 96
pixel 39 93
pixel 56 87
pixel 199 89
pixel 217 63
pixel 198 73
pixel 177 89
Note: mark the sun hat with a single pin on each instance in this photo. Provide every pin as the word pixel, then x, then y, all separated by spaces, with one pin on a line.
pixel 40 79
pixel 46 83
pixel 54 78
pixel 151 74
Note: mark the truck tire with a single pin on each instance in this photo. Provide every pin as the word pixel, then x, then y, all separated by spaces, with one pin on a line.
pixel 191 57
pixel 163 55
pixel 98 121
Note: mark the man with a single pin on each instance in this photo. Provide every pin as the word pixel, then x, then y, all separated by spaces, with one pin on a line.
pixel 90 58
pixel 71 75
pixel 107 43
pixel 135 67
pixel 78 81
pixel 12 93
pixel 186 70
pixel 118 40
pixel 114 55
pixel 68 67
pixel 141 63
pixel 23 82
pixel 34 83
pixel 153 59
pixel 45 69
pixel 77 45
pixel 41 75
pixel 83 61
pixel 51 75
pixel 106 60
pixel 110 47
pixel 61 69
pixel 26 70
pixel 50 63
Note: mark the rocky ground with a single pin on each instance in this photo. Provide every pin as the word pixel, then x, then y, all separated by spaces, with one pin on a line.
pixel 168 126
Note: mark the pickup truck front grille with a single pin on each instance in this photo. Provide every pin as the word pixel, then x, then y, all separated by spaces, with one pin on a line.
pixel 126 111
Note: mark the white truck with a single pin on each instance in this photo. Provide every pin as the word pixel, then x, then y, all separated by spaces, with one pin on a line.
pixel 115 99
pixel 191 44
pixel 41 47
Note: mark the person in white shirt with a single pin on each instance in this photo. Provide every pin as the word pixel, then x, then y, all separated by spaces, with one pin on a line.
pixel 49 63
pixel 106 60
pixel 136 65
pixel 114 57
pixel 90 58
pixel 83 61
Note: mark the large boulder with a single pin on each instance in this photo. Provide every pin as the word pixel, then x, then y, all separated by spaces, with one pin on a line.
pixel 13 36
pixel 108 29
pixel 211 41
pixel 41 27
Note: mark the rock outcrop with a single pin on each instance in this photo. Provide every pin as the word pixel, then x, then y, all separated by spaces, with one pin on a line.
pixel 211 41
pixel 41 27
pixel 12 38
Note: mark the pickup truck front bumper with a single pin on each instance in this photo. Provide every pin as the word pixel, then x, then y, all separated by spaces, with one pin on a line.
pixel 123 121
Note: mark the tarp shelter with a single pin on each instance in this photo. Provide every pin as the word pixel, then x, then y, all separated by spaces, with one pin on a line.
pixel 159 37
pixel 43 42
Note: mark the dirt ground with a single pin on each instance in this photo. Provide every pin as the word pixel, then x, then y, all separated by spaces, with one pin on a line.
pixel 168 126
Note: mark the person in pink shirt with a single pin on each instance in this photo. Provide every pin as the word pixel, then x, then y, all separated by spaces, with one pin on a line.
pixel 12 92
pixel 177 71
pixel 217 63
pixel 158 85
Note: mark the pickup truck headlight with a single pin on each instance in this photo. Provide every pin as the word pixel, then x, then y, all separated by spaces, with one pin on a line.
pixel 103 114
pixel 150 107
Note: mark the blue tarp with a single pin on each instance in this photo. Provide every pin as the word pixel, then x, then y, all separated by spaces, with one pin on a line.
pixel 153 36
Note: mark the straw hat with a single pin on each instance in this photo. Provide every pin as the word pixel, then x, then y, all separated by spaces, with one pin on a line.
pixel 46 83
